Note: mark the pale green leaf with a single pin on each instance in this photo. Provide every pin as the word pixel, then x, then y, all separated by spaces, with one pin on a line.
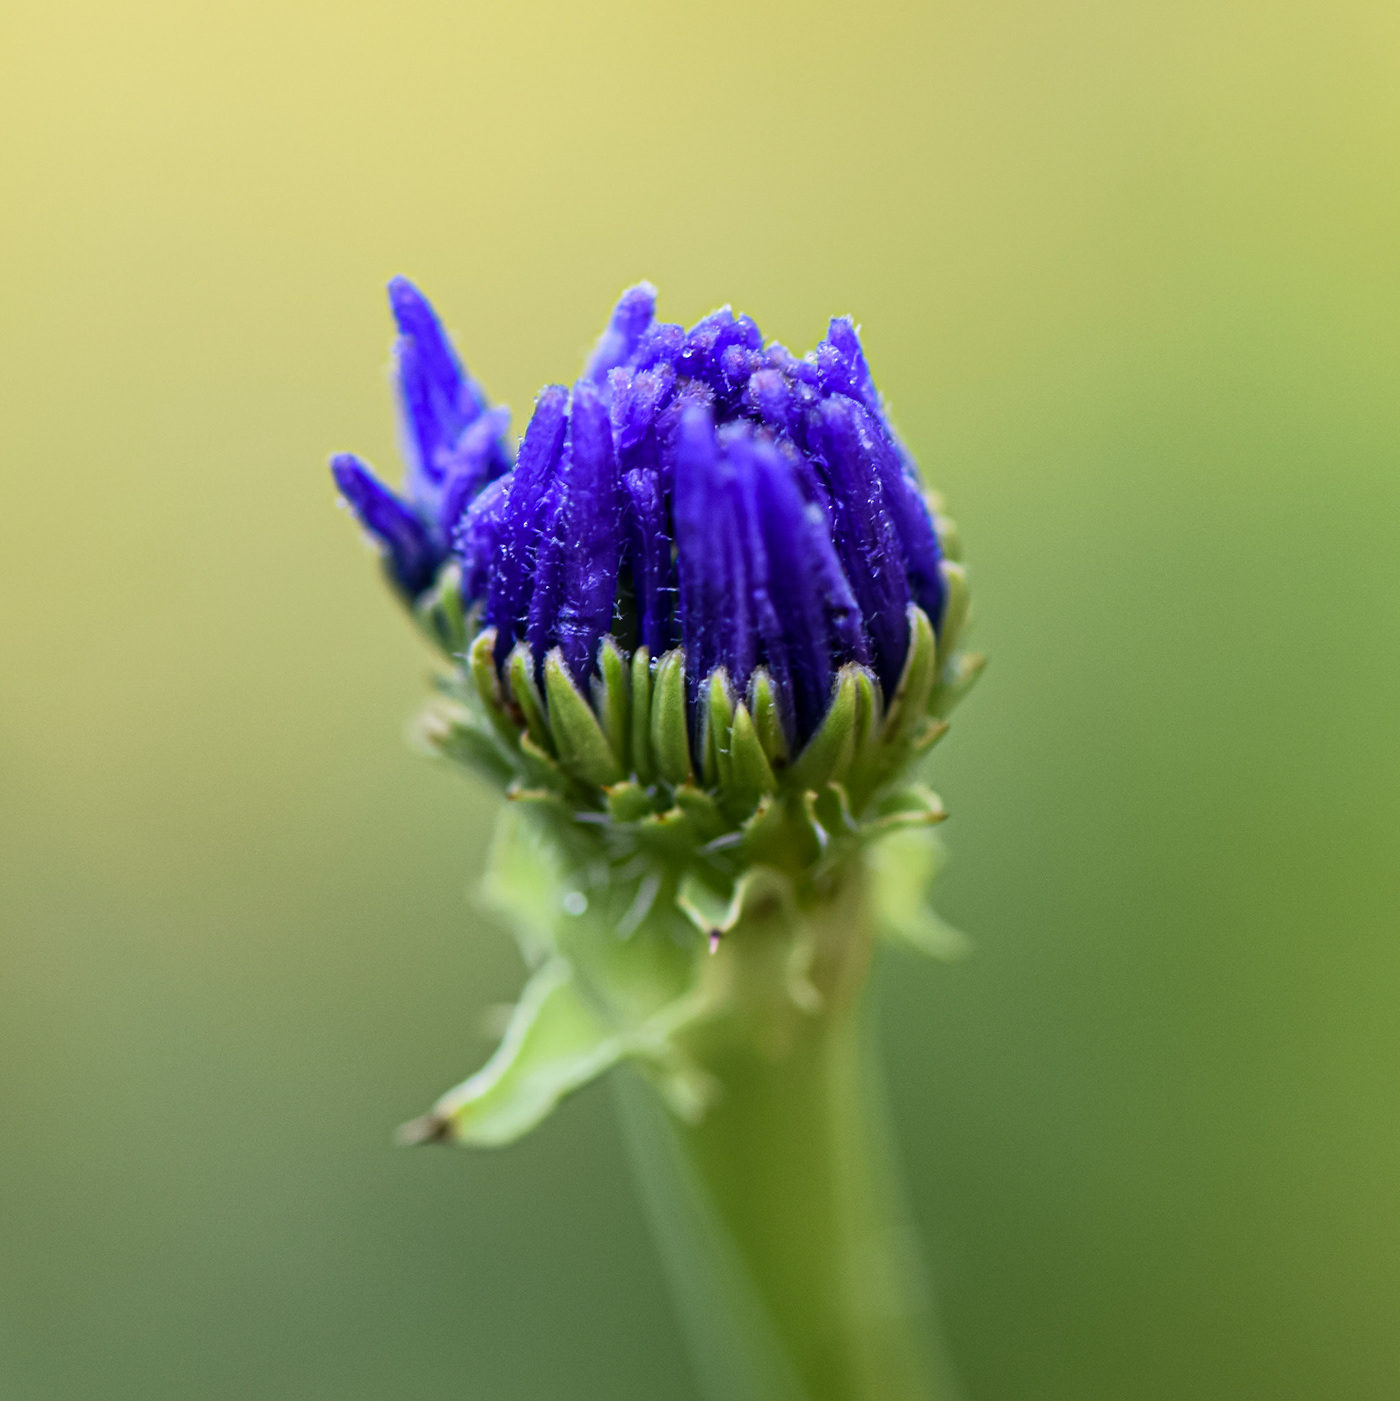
pixel 554 1044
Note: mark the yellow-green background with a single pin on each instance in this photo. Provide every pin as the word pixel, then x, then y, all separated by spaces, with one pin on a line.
pixel 1128 273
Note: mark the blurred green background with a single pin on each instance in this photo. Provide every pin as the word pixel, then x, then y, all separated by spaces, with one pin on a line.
pixel 1128 273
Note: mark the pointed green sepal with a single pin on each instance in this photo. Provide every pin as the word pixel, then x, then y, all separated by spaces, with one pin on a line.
pixel 750 773
pixel 669 835
pixel 916 680
pixel 642 764
pixel 583 749
pixel 957 679
pixel 781 833
pixel 449 731
pixel 718 721
pixel 706 907
pixel 481 663
pixel 949 536
pixel 768 721
pixel 549 803
pixel 670 742
pixel 954 610
pixel 905 714
pixel 440 614
pixel 520 672
pixel 541 769
pixel 870 718
pixel 829 752
pixel 612 699
pixel 926 734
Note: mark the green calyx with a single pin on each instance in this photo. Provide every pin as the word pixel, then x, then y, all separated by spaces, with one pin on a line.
pixel 642 835
pixel 534 728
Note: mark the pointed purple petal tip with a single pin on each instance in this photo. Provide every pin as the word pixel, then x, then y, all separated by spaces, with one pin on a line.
pixel 631 320
pixel 413 556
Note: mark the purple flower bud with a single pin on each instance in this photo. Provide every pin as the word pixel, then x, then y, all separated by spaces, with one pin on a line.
pixel 694 488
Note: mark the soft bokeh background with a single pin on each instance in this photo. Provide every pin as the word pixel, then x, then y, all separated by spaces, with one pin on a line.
pixel 1128 274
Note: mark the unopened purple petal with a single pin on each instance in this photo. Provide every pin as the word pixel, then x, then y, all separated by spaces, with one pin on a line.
pixel 479 457
pixel 690 394
pixel 477 539
pixel 636 399
pixel 412 554
pixel 913 525
pixel 842 368
pixel 438 398
pixel 508 601
pixel 721 350
pixel 593 544
pixel 763 579
pixel 663 342
pixel 705 545
pixel 698 357
pixel 864 536
pixel 653 569
pixel 820 619
pixel 418 323
pixel 781 358
pixel 546 586
pixel 579 552
pixel 631 319
pixel 738 635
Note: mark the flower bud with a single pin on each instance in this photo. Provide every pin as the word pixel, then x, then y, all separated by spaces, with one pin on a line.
pixel 700 495
pixel 699 626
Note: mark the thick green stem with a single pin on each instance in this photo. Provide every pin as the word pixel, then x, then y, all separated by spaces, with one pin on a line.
pixel 779 1213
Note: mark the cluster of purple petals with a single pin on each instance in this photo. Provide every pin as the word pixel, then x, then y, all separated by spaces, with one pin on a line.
pixel 695 488
pixel 701 489
pixel 454 444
